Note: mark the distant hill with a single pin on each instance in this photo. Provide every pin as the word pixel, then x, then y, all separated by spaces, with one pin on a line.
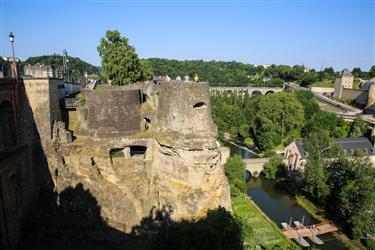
pixel 77 67
pixel 231 73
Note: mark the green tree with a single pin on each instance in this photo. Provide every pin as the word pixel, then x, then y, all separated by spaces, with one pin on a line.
pixel 309 78
pixel 120 62
pixel 352 178
pixel 76 75
pixel 316 142
pixel 279 119
pixel 326 121
pixel 357 72
pixel 315 179
pixel 235 171
pixel 357 128
pixel 328 74
pixel 372 71
pixel 309 102
pixel 274 167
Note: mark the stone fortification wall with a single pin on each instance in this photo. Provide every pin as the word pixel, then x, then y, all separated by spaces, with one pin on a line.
pixel 174 162
pixel 23 168
pixel 323 91
pixel 184 107
pixel 360 96
pixel 111 112
pixel 43 97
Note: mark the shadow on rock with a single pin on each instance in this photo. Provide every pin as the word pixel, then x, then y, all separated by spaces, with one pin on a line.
pixel 218 230
pixel 71 220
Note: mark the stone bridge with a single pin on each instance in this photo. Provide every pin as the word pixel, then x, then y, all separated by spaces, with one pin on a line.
pixel 255 165
pixel 249 90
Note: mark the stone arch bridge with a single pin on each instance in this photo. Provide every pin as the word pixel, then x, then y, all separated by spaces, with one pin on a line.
pixel 256 165
pixel 249 90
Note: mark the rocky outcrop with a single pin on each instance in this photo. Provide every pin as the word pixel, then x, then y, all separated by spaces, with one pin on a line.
pixel 173 162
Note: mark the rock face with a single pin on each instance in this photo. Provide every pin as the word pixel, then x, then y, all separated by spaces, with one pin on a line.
pixel 173 161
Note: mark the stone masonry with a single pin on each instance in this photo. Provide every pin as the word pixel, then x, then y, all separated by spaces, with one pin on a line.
pixel 143 147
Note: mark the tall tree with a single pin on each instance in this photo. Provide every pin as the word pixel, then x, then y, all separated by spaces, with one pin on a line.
pixel 357 128
pixel 357 72
pixel 353 178
pixel 315 178
pixel 274 168
pixel 279 119
pixel 235 170
pixel 309 78
pixel 372 71
pixel 120 62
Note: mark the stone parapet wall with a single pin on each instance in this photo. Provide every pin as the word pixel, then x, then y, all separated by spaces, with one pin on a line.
pixel 111 112
pixel 359 96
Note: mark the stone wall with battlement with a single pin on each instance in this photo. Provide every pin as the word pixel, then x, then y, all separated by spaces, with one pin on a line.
pixel 111 112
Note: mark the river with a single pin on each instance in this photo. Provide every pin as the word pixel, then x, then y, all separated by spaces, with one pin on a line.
pixel 279 206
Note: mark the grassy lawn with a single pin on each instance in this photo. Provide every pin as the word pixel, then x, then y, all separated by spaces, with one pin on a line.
pixel 324 84
pixel 260 229
pixel 310 207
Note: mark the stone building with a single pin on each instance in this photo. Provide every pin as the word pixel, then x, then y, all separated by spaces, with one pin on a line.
pixel 364 96
pixel 43 71
pixel 344 81
pixel 295 155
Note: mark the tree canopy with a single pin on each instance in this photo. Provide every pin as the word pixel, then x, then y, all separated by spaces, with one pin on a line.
pixel 372 71
pixel 120 62
pixel 235 171
pixel 274 168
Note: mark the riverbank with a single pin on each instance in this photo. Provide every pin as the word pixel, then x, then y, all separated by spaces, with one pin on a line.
pixel 319 215
pixel 278 206
pixel 260 229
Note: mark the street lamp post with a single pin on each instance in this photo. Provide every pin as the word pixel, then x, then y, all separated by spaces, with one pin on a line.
pixel 15 89
pixel 14 65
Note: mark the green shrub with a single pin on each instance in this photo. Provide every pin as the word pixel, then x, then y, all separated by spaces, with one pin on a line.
pixel 273 168
pixel 370 243
pixel 81 100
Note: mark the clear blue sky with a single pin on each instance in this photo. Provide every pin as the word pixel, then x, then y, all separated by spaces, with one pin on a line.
pixel 315 32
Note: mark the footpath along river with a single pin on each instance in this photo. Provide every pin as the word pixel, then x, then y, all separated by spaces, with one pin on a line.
pixel 279 206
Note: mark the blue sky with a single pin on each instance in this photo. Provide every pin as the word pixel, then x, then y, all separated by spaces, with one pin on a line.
pixel 315 32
